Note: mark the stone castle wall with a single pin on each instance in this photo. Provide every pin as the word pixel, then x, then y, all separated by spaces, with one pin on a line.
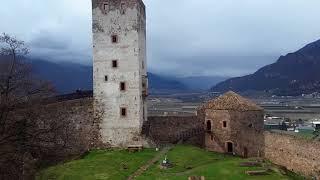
pixel 171 129
pixel 85 128
pixel 295 153
pixel 160 129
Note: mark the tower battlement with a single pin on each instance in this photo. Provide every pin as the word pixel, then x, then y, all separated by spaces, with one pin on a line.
pixel 118 4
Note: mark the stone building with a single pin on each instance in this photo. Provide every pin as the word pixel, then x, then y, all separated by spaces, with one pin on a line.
pixel 234 125
pixel 119 69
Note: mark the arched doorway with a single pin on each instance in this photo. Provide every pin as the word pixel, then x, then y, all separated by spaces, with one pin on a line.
pixel 209 125
pixel 245 152
pixel 229 147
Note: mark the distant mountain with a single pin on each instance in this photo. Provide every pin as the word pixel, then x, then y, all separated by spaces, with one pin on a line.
pixel 159 84
pixel 69 77
pixel 293 74
pixel 201 83
pixel 66 77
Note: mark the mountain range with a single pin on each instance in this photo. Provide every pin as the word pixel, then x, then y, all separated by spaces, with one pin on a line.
pixel 202 83
pixel 68 77
pixel 65 76
pixel 293 74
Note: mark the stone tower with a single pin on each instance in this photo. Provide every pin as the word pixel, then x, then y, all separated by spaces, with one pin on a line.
pixel 119 69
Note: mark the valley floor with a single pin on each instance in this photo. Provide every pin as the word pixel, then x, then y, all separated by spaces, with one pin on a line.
pixel 187 161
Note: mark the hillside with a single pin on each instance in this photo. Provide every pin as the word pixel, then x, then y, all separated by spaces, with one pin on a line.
pixel 160 84
pixel 68 77
pixel 201 82
pixel 293 74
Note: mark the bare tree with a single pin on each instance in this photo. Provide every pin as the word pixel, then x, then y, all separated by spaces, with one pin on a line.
pixel 24 132
pixel 19 92
pixel 31 130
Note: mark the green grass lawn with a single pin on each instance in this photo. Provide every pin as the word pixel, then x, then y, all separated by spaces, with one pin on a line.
pixel 98 165
pixel 187 160
pixel 192 161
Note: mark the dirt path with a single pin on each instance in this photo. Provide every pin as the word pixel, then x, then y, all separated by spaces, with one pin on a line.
pixel 143 168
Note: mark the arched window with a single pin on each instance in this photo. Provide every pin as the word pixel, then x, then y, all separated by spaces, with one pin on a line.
pixel 209 125
pixel 229 147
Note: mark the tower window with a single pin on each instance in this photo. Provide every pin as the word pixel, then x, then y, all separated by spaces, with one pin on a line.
pixel 209 128
pixel 106 7
pixel 122 86
pixel 123 112
pixel 122 8
pixel 224 124
pixel 114 39
pixel 105 78
pixel 114 63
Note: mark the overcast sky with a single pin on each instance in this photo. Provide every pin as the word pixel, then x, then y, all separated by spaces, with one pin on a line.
pixel 185 37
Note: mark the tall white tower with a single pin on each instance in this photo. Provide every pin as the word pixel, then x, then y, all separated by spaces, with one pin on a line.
pixel 120 75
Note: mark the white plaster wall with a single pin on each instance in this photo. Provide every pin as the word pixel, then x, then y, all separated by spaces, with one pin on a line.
pixel 130 52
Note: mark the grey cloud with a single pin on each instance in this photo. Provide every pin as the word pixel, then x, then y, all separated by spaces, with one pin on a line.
pixel 185 37
pixel 210 65
pixel 49 40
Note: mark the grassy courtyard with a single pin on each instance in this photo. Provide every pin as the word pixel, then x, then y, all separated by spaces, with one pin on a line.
pixel 187 160
pixel 99 165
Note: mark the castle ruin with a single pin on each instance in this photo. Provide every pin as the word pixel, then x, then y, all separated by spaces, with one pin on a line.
pixel 228 124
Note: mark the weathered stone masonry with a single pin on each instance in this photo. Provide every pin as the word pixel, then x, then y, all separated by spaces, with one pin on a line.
pixel 295 153
pixel 299 155
pixel 233 124
pixel 84 126
pixel 120 75
pixel 171 129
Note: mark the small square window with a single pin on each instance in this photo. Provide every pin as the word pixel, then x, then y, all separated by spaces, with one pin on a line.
pixel 123 112
pixel 105 78
pixel 122 86
pixel 114 39
pixel 106 7
pixel 114 63
pixel 224 124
